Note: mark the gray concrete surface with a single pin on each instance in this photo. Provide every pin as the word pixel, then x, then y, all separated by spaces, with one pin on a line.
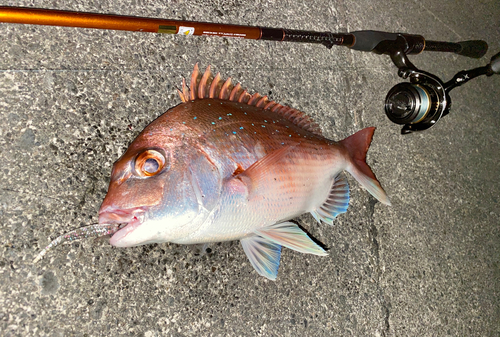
pixel 71 100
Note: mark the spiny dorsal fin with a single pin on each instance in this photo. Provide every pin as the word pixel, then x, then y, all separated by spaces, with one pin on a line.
pixel 207 86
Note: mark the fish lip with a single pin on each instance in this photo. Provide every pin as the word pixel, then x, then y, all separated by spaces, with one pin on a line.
pixel 111 215
pixel 129 219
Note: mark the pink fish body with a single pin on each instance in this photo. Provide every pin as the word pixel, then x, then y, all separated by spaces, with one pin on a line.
pixel 224 165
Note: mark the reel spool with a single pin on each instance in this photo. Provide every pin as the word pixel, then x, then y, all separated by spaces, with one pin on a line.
pixel 417 105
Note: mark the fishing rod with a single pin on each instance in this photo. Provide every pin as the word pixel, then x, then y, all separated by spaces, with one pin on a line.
pixel 418 105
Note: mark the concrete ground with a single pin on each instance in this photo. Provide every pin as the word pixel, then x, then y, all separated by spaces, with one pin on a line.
pixel 71 100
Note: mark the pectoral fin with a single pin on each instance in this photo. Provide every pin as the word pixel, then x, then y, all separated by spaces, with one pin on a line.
pixel 257 174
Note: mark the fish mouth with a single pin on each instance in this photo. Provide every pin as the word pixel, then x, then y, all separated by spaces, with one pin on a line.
pixel 129 219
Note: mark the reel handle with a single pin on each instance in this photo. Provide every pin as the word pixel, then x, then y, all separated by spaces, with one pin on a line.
pixel 494 66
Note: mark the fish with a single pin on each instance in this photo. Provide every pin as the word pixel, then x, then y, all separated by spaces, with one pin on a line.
pixel 228 165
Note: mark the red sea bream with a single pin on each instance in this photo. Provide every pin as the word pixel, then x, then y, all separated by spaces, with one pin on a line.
pixel 226 165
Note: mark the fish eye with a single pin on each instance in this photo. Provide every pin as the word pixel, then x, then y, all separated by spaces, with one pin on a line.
pixel 149 163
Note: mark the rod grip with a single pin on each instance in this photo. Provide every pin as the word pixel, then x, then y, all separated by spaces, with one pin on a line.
pixel 384 42
pixel 473 48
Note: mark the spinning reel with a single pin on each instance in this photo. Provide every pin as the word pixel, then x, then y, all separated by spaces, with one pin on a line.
pixel 420 103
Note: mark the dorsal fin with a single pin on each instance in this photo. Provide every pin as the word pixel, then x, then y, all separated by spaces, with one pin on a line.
pixel 207 86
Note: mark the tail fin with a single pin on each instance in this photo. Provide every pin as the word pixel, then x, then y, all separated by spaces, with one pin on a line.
pixel 357 145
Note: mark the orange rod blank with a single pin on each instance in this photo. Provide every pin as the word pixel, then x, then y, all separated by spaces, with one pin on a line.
pixel 367 40
pixel 49 17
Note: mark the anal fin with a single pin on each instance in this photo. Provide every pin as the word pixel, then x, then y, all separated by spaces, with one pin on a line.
pixel 336 203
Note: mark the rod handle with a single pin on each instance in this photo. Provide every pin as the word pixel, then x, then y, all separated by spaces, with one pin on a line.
pixel 473 48
pixel 385 43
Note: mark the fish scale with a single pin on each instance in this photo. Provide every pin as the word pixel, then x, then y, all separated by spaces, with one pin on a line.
pixel 239 127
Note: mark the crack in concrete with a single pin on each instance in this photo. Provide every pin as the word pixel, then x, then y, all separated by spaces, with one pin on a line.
pixel 375 250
